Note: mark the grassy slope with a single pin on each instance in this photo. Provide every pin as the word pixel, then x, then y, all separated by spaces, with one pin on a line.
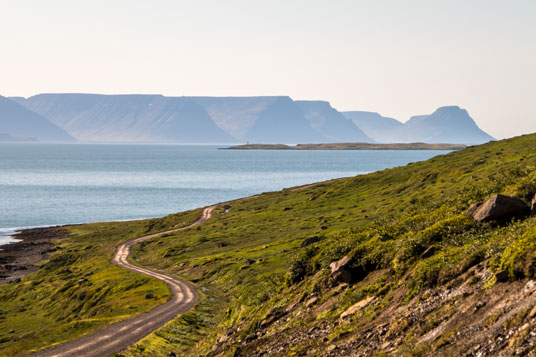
pixel 383 220
pixel 53 304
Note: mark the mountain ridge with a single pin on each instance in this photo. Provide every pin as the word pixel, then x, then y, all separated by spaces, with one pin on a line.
pixel 450 124
pixel 17 122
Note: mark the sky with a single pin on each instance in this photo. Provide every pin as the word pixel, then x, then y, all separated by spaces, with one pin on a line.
pixel 398 58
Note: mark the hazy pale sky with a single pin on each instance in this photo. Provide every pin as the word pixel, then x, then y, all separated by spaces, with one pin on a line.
pixel 399 58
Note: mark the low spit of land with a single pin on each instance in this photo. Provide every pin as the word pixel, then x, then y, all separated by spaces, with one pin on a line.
pixel 349 146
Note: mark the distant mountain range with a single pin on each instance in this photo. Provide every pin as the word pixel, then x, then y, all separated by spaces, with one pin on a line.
pixel 449 124
pixel 274 119
pixel 20 124
pixel 128 118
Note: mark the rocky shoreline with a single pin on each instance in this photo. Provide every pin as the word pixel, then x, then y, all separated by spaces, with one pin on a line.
pixel 18 259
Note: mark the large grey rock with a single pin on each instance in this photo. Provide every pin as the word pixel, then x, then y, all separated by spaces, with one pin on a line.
pixel 498 207
pixel 340 270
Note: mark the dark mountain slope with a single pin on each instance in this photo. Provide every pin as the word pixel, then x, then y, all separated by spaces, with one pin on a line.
pixel 20 123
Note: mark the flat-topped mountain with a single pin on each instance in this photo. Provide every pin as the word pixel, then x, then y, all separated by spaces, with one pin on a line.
pixel 260 120
pixel 20 124
pixel 128 118
pixel 331 123
pixel 449 124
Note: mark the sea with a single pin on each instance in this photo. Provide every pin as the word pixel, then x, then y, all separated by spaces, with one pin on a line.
pixel 57 184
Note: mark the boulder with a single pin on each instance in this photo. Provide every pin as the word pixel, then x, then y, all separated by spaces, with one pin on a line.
pixel 340 270
pixel 498 207
pixel 473 208
pixel 309 241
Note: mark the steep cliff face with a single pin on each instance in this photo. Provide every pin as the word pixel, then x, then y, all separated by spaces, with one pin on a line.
pixel 124 118
pixel 330 123
pixel 18 123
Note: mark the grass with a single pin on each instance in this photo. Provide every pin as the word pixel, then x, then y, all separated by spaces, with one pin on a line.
pixel 78 290
pixel 248 263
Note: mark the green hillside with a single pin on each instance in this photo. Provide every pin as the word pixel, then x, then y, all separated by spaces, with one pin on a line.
pixel 264 294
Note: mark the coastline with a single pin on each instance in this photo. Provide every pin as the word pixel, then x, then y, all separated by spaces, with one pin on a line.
pixel 32 245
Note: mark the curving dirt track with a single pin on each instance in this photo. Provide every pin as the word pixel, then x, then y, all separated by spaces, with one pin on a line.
pixel 119 336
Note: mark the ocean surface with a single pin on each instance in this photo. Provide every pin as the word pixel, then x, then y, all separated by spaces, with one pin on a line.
pixel 53 184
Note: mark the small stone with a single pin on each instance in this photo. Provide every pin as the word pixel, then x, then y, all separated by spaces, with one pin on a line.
pixel 311 301
pixel 532 312
pixel 356 307
pixel 501 276
pixel 309 241
pixel 249 261
pixel 331 348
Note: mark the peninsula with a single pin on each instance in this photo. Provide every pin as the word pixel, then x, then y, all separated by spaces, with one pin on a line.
pixel 349 146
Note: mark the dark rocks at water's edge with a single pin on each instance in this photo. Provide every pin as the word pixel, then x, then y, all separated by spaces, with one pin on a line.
pixel 498 207
pixel 18 259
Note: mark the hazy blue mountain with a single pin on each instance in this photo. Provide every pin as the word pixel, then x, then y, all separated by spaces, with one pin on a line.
pixel 374 125
pixel 446 125
pixel 330 123
pixel 261 119
pixel 20 124
pixel 129 118
pixel 449 124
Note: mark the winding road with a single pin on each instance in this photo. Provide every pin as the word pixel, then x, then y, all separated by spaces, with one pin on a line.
pixel 121 335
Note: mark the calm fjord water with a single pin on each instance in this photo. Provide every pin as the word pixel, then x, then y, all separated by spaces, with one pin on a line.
pixel 50 184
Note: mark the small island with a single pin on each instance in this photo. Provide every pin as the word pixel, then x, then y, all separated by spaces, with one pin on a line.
pixel 349 146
